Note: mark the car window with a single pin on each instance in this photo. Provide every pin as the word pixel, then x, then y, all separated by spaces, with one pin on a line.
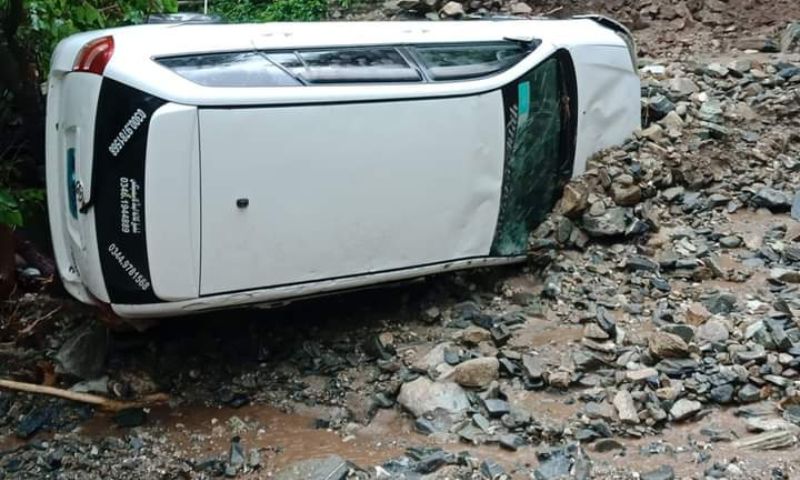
pixel 238 69
pixel 535 154
pixel 347 65
pixel 458 62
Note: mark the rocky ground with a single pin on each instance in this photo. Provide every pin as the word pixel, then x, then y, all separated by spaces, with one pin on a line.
pixel 653 334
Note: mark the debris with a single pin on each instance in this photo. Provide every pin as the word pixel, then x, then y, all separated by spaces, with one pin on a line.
pixel 102 403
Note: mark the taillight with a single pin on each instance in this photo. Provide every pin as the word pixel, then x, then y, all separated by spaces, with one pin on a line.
pixel 94 56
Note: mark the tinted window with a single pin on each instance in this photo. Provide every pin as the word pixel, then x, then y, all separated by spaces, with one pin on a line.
pixel 240 69
pixel 347 65
pixel 455 62
pixel 535 154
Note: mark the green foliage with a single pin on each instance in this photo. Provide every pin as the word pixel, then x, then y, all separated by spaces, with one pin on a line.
pixel 49 21
pixel 10 213
pixel 237 11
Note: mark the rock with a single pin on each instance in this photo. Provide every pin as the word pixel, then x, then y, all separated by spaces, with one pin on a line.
pixel 722 393
pixel 767 441
pixel 511 442
pixel 563 462
pixel 682 86
pixel 594 332
pixel 672 121
pixel 84 353
pixel 521 8
pixel 626 409
pixel 491 470
pixel 496 408
pixel 599 410
pixel 641 374
pixel 430 460
pixel 711 111
pixel 667 345
pixel 608 224
pixel 731 241
pixel 533 365
pixel 332 467
pixel 672 194
pixel 477 373
pixel 423 395
pixel 659 106
pixel 608 444
pixel 626 196
pixel 720 303
pixel 697 313
pixel 772 199
pixel 713 331
pixel 574 200
pixel 432 359
pixel 686 332
pixel 785 275
pixel 453 9
pixel 790 38
pixel 716 70
pixel 640 263
pixel 33 421
pixel 684 409
pixel 560 379
pixel 236 458
pixel 653 133
pixel 474 335
pixel 664 472
pixel 795 212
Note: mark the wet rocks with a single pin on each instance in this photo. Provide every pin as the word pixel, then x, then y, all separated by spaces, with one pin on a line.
pixel 476 373
pixel 452 9
pixel 568 461
pixel 422 395
pixel 609 223
pixel 773 199
pixel 667 345
pixel 84 353
pixel 713 331
pixel 626 409
pixel 684 409
pixel 664 472
pixel 332 467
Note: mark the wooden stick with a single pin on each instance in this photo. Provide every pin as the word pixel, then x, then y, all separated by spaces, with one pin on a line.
pixel 103 403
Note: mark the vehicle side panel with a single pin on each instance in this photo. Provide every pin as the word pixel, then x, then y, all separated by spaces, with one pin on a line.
pixel 118 197
pixel 172 182
pixel 340 190
pixel 72 108
pixel 608 99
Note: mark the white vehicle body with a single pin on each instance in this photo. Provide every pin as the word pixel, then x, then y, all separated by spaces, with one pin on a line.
pixel 206 166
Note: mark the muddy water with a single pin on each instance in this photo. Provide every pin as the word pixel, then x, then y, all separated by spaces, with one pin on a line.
pixel 283 438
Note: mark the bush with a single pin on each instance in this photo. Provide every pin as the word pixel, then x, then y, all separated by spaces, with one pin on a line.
pixel 49 21
pixel 236 11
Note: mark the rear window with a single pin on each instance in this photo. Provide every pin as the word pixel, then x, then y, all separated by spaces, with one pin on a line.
pixel 430 63
pixel 458 62
pixel 348 65
pixel 239 69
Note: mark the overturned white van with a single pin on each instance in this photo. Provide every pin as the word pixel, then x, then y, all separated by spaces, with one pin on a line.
pixel 192 167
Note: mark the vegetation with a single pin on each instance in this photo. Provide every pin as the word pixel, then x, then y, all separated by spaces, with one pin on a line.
pixel 29 31
pixel 269 10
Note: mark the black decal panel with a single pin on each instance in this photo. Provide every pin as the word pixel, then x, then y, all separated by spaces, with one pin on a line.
pixel 118 193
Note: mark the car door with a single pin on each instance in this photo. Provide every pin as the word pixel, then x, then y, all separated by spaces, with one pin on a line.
pixel 302 193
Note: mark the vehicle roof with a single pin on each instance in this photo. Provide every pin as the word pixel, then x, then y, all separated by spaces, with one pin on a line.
pixel 174 39
pixel 136 46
